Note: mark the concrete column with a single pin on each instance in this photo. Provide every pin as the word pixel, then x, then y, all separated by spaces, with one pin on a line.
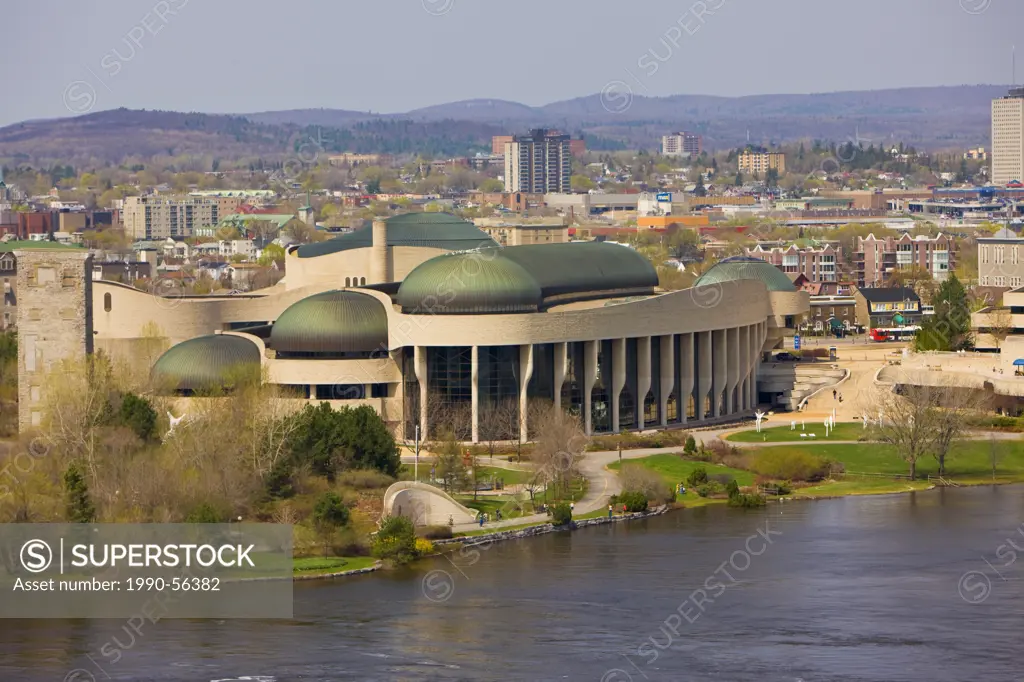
pixel 732 370
pixel 589 379
pixel 686 375
pixel 704 373
pixel 668 373
pixel 475 391
pixel 618 378
pixel 561 358
pixel 526 372
pixel 643 377
pixel 719 363
pixel 380 261
pixel 420 367
pixel 745 363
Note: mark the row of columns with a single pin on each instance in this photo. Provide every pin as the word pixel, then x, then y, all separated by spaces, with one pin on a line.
pixel 720 362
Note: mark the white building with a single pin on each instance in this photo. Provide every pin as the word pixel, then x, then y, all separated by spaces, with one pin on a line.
pixel 1008 138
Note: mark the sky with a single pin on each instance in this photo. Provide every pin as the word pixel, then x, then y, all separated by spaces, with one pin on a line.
pixel 239 56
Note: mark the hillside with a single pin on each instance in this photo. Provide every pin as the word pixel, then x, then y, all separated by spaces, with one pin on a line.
pixel 929 118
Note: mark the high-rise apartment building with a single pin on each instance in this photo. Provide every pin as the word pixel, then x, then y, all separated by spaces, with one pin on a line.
pixel 682 144
pixel 761 162
pixel 159 217
pixel 876 259
pixel 540 162
pixel 1008 138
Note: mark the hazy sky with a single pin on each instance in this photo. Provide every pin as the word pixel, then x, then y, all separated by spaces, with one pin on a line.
pixel 241 56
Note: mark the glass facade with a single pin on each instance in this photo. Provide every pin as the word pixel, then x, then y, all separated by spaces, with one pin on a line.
pixel 498 383
pixel 600 405
pixel 628 395
pixel 652 403
pixel 572 386
pixel 449 402
pixel 411 391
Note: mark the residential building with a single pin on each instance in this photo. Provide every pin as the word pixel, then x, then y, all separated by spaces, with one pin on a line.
pixel 506 233
pixel 540 162
pixel 1001 260
pixel 820 264
pixel 876 259
pixel 353 159
pixel 881 307
pixel 760 163
pixel 159 216
pixel 682 144
pixel 498 143
pixel 1008 138
pixel 978 154
pixel 833 313
pixel 120 271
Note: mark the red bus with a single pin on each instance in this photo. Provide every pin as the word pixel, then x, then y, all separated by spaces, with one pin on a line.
pixel 894 333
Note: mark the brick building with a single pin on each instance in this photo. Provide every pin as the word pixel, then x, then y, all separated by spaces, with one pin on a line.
pixel 876 259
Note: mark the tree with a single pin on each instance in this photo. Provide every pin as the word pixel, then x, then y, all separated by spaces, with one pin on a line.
pixel 492 185
pixel 581 183
pixel 332 440
pixel 138 415
pixel 953 409
pixel 329 514
pixel 739 179
pixel 272 253
pixel 700 190
pixel 303 233
pixel 949 329
pixel 771 178
pixel 999 323
pixel 907 422
pixel 78 505
pixel 559 448
pixel 449 465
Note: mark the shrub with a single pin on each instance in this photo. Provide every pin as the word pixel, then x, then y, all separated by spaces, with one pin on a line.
pixel 138 415
pixel 77 502
pixel 691 445
pixel 719 450
pixel 732 488
pixel 424 547
pixel 697 477
pixel 635 501
pixel 637 478
pixel 709 489
pixel 724 479
pixel 791 465
pixel 365 479
pixel 561 514
pixel 204 513
pixel 435 532
pixel 395 541
pixel 747 501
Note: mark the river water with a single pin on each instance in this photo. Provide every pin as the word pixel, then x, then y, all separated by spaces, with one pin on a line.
pixel 916 587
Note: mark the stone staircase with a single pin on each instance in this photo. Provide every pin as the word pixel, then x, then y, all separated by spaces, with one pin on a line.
pixel 791 382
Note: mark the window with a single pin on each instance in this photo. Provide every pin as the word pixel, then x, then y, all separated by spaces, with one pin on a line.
pixel 362 280
pixel 107 303
pixel 984 281
pixel 348 281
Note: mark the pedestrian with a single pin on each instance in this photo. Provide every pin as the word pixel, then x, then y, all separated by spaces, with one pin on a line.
pixel 609 511
pixel 451 521
pixel 833 394
pixel 572 507
pixel 481 517
pixel 498 514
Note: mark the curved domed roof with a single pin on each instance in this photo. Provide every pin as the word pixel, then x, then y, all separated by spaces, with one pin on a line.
pixel 433 230
pixel 744 267
pixel 205 363
pixel 332 322
pixel 477 282
pixel 518 279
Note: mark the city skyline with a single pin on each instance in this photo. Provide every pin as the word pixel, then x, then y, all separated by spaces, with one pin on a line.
pixel 153 56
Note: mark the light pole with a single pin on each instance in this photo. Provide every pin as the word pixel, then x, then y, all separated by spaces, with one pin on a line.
pixel 416 466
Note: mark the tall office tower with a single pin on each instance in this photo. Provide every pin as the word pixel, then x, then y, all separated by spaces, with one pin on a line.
pixel 1008 138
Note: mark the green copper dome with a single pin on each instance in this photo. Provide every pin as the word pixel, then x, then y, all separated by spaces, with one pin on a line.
pixel 742 267
pixel 433 230
pixel 519 279
pixel 332 323
pixel 205 363
pixel 477 282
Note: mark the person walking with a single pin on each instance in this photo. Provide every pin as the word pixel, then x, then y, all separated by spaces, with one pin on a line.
pixel 833 394
pixel 610 511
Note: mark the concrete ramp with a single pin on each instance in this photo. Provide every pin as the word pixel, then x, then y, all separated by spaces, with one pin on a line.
pixel 425 505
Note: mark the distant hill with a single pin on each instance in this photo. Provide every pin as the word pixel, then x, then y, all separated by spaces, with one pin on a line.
pixel 929 118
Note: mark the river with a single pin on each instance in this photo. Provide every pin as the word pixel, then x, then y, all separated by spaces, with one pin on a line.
pixel 916 587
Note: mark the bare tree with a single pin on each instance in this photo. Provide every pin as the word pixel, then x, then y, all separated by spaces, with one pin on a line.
pixel 907 422
pixel 995 454
pixel 559 448
pixel 951 414
pixel 449 465
pixel 999 324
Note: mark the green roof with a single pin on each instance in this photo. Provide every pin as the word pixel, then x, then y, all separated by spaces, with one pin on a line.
pixel 521 278
pixel 332 322
pixel 205 363
pixel 743 267
pixel 280 219
pixel 436 230
pixel 28 244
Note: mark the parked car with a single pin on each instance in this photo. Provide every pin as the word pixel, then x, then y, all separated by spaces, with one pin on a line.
pixel 786 357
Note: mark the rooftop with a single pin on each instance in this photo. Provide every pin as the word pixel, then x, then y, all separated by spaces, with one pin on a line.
pixel 434 230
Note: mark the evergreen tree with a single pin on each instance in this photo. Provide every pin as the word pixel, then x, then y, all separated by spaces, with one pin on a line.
pixel 949 329
pixel 700 190
pixel 77 504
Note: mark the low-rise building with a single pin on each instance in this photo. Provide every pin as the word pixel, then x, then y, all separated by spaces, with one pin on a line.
pixel 887 307
pixel 514 233
pixel 816 264
pixel 1001 260
pixel 876 259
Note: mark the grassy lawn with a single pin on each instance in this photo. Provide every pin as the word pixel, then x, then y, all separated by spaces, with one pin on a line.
pixel 675 470
pixel 509 476
pixel 968 459
pixel 325 565
pixel 780 434
pixel 862 485
pixel 509 507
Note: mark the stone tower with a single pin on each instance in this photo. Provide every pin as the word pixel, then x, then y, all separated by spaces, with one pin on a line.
pixel 54 319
